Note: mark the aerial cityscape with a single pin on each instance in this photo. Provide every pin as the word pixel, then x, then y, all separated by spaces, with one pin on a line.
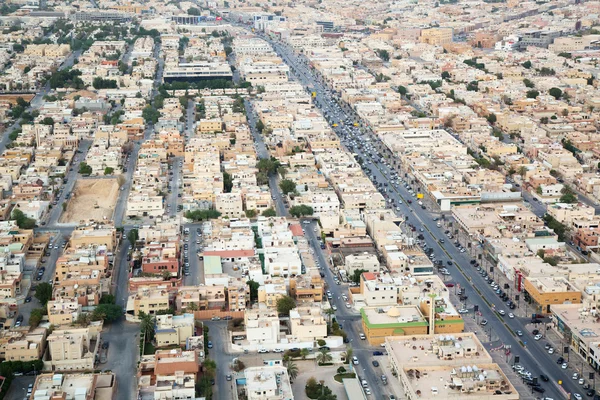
pixel 311 199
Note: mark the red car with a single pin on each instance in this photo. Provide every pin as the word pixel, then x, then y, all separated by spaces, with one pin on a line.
pixel 449 284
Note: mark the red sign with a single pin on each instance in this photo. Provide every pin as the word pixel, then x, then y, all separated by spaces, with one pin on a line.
pixel 219 18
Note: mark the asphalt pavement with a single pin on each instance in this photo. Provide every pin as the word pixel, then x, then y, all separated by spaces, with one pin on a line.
pixel 531 353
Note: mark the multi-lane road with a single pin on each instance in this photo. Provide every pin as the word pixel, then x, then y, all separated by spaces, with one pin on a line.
pixel 533 356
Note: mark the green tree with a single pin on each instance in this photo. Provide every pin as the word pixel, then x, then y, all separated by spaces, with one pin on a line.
pixel 528 83
pixel 304 352
pixel 287 186
pixel 446 75
pixel 348 353
pixel 323 356
pixel 555 92
pixel 47 121
pixel 107 312
pixel 544 120
pixel 250 213
pixel 301 211
pixel 568 195
pixel 492 118
pixel 532 94
pixel 146 325
pixel 85 169
pixel 259 126
pixel 202 215
pixel 35 316
pixel 43 293
pixel 402 90
pixel 285 304
pixel 193 11
pixel 526 64
pixel 21 220
pixel 109 171
pixel 150 114
pixel 383 54
pixel 210 366
pixel 329 312
pixel 107 299
pixel 355 277
pixel 292 370
pixel 133 236
pixel 270 212
pixel 253 287
pixel 227 182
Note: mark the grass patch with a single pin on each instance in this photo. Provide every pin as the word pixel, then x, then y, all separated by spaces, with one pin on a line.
pixel 348 375
pixel 325 364
pixel 149 349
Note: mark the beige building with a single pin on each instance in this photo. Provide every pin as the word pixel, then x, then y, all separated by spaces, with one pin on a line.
pixel 173 329
pixel 28 348
pixel 74 349
pixel 148 301
pixel 307 324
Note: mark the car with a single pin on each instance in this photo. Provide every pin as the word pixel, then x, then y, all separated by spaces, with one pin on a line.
pixel 334 307
pixel 535 332
pixel 511 315
pixel 581 381
pixel 519 333
pixel 560 360
pixel 483 322
pixel 347 304
pixel 450 285
pixel 538 389
pixel 375 363
pixel 209 345
pixel 575 376
pixel 502 312
pixel 215 318
pixel 228 377
pixel 544 378
pixel 550 350
pixel 463 311
pixel 377 353
pixel 590 393
pixel 278 350
pixel 28 299
pixel 262 350
pixel 105 345
pixel 577 396
pixel 367 391
pixel 537 337
pixel 362 336
pixel 449 262
pixel 354 360
pixel 547 346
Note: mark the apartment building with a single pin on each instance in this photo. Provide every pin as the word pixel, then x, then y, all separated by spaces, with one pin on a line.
pixel 74 349
pixel 96 386
pixel 150 301
pixel 308 324
pixel 381 322
pixel 271 290
pixel 63 311
pixel 421 363
pixel 200 297
pixel 268 382
pixel 262 325
pixel 307 288
pixel 173 329
pixel 29 347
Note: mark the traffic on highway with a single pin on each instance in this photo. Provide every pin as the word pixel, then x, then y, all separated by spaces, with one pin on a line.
pixel 527 355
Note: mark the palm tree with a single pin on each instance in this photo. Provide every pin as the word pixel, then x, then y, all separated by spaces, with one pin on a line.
pixel 522 171
pixel 210 366
pixel 191 307
pixel 348 353
pixel 304 352
pixel 329 312
pixel 292 370
pixel 323 357
pixel 147 326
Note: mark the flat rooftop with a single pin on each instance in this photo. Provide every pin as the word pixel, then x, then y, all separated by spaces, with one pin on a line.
pixel 447 382
pixel 393 315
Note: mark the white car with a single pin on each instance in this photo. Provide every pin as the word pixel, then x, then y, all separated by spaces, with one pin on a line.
pixel 511 315
pixel 334 307
pixel 354 360
pixel 463 311
pixel 277 350
pixel 577 396
pixel 263 350
pixel 367 391
pixel 537 337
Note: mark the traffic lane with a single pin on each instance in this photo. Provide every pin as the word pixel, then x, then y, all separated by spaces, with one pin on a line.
pixel 496 323
pixel 487 313
pixel 535 350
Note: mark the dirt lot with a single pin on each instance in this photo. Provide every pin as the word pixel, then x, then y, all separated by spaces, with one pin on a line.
pixel 86 195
